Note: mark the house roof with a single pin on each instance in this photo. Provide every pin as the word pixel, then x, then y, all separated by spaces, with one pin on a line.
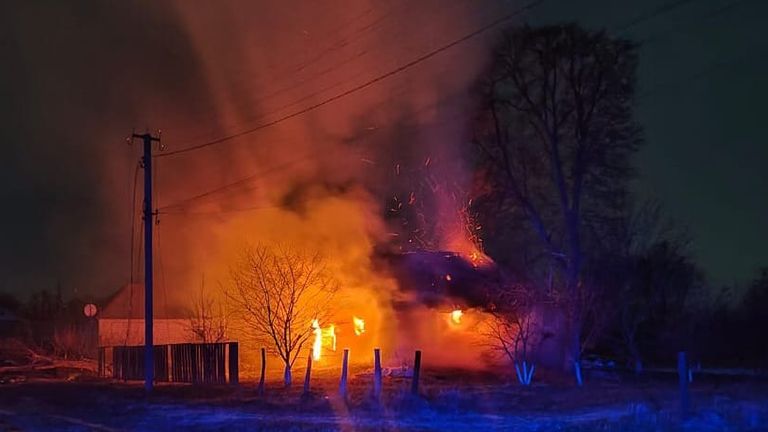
pixel 128 302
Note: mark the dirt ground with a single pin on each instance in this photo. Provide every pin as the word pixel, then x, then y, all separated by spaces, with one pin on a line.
pixel 448 400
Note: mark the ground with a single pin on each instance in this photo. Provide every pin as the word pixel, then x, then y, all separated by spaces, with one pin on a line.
pixel 448 400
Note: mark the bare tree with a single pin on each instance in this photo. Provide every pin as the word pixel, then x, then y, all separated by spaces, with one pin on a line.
pixel 555 137
pixel 511 331
pixel 278 292
pixel 657 285
pixel 648 276
pixel 208 319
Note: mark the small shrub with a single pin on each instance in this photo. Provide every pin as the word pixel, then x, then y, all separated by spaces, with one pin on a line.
pixel 71 342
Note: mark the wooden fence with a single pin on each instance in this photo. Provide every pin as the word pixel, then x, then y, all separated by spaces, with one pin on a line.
pixel 197 363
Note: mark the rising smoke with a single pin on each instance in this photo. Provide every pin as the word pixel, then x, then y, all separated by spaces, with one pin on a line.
pixel 331 179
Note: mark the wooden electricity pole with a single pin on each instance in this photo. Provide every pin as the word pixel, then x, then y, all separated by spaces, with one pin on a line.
pixel 146 163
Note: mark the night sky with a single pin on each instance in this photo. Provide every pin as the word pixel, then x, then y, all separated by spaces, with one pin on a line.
pixel 702 90
pixel 77 77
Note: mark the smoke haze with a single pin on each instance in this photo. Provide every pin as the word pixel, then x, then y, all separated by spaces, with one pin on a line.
pixel 83 76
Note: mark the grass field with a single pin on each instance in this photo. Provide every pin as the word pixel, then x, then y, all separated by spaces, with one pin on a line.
pixel 448 400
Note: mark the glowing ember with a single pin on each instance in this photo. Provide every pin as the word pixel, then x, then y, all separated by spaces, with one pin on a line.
pixel 456 316
pixel 359 325
pixel 467 240
pixel 476 258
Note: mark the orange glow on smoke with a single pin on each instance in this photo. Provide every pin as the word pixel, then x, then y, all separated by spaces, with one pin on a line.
pixel 300 205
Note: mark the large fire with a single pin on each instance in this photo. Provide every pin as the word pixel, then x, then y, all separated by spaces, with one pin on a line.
pixel 316 191
pixel 325 338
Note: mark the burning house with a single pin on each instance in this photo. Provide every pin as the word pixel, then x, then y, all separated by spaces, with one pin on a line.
pixel 450 299
pixel 440 304
pixel 343 182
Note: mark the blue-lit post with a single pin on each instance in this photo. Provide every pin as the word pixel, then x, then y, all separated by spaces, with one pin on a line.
pixel 377 373
pixel 344 367
pixel 146 162
pixel 682 372
pixel 416 373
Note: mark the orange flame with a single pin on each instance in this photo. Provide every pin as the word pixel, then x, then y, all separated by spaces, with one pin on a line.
pixel 359 325
pixel 317 346
pixel 325 337
pixel 456 316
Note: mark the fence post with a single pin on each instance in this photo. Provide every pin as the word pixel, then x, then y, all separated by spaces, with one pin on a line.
pixel 116 363
pixel 234 364
pixel 169 362
pixel 309 372
pixel 577 372
pixel 416 373
pixel 682 372
pixel 377 373
pixel 344 365
pixel 260 389
pixel 101 362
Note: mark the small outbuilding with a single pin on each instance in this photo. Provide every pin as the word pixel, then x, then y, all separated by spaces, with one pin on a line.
pixel 121 319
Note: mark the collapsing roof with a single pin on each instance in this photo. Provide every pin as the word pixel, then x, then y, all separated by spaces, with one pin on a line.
pixel 438 277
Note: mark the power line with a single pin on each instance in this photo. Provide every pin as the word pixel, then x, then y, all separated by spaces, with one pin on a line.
pixel 237 210
pixel 281 167
pixel 708 16
pixel 179 210
pixel 336 45
pixel 219 212
pixel 656 12
pixel 219 189
pixel 301 66
pixel 362 86
pixel 665 8
pixel 696 75
pixel 701 73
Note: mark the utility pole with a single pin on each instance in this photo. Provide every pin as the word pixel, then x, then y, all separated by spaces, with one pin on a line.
pixel 146 163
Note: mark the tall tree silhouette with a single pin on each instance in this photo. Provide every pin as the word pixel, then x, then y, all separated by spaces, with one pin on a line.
pixel 554 136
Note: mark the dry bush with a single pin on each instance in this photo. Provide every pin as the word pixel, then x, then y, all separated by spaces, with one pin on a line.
pixel 207 319
pixel 71 342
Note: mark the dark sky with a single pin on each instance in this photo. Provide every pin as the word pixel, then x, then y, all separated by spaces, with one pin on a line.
pixel 77 76
pixel 703 87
